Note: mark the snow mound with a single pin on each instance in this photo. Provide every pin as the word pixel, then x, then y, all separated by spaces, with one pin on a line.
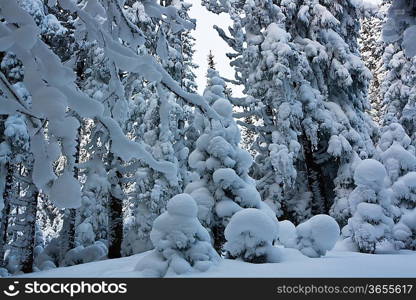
pixel 250 235
pixel 287 234
pixel 4 272
pixel 82 255
pixel 317 235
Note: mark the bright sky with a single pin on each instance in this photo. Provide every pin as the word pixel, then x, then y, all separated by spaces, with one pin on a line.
pixel 208 39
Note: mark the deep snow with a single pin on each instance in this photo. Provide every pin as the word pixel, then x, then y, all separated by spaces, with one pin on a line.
pixel 336 263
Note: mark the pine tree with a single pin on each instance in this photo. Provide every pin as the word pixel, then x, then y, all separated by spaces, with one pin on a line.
pixel 398 91
pixel 371 225
pixel 397 154
pixel 404 197
pixel 299 61
pixel 161 120
pixel 211 61
pixel 372 49
pixel 222 185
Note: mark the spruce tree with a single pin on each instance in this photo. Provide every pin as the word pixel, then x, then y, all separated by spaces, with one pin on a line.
pixel 300 64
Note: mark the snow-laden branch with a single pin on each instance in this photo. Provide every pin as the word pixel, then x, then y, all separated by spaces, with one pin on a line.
pixel 53 88
pixel 144 65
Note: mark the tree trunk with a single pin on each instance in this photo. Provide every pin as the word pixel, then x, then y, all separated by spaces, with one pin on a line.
pixel 69 226
pixel 219 238
pixel 30 230
pixel 316 182
pixel 68 232
pixel 115 214
pixel 5 213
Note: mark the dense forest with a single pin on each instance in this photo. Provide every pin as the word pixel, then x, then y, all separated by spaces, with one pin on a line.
pixel 107 149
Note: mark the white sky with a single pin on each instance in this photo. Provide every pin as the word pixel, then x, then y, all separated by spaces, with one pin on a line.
pixel 207 39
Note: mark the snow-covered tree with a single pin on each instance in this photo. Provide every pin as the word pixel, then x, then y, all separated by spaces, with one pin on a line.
pixel 401 25
pixel 161 120
pixel 371 224
pixel 395 151
pixel 397 154
pixel 300 64
pixel 181 243
pixel 372 48
pixel 222 185
pixel 211 60
pixel 22 194
pixel 404 196
pixel 398 91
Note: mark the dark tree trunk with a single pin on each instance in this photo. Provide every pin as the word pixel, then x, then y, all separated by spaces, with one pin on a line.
pixel 115 227
pixel 316 181
pixel 68 232
pixel 115 213
pixel 30 230
pixel 5 213
pixel 68 228
pixel 219 238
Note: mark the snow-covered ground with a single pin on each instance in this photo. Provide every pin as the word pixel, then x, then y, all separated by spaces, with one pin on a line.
pixel 335 263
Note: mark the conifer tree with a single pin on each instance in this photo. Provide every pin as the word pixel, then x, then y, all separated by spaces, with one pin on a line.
pixel 300 64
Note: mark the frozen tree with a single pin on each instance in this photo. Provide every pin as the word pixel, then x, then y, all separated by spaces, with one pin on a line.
pixel 395 151
pixel 398 91
pixel 92 215
pixel 404 196
pixel 398 156
pixel 300 65
pixel 401 25
pixel 371 223
pixel 151 190
pixel 181 243
pixel 222 185
pixel 372 48
pixel 19 196
pixel 161 120
pixel 250 235
pixel 23 198
pixel 211 61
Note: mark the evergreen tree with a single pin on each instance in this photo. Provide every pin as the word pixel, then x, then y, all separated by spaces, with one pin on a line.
pixel 372 49
pixel 404 197
pixel 371 225
pixel 299 61
pixel 398 91
pixel 161 120
pixel 211 61
pixel 222 185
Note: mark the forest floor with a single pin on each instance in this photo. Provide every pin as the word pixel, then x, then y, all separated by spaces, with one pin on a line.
pixel 336 263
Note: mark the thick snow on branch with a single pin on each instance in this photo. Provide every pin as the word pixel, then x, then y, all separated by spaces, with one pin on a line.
pixel 46 76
